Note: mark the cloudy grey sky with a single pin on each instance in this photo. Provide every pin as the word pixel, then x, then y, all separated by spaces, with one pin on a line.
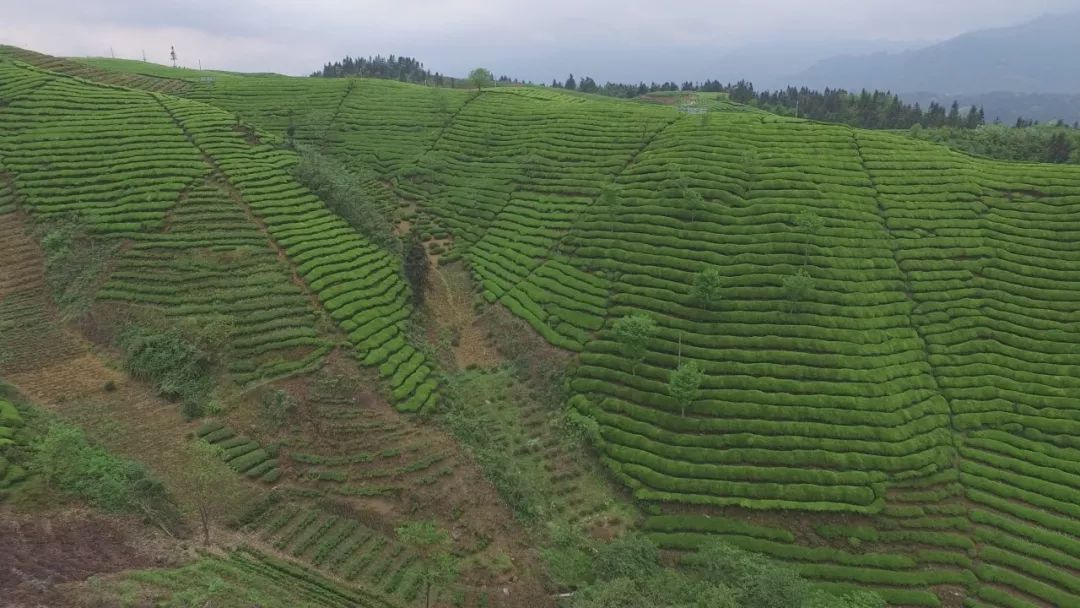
pixel 534 39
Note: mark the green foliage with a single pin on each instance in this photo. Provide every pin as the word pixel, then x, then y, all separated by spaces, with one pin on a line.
pixel 853 599
pixel 569 555
pixel 1039 143
pixel 634 332
pixel 438 567
pixel 74 263
pixel 417 268
pixel 707 287
pixel 277 406
pixel 347 195
pixel 206 488
pixel 628 573
pixel 68 462
pixel 173 363
pixel 1059 149
pixel 693 201
pixel 15 439
pixel 756 582
pixel 631 556
pixel 470 397
pixel 480 78
pixel 685 384
pixel 797 286
pixel 809 222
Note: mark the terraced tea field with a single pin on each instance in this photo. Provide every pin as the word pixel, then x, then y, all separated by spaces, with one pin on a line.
pixel 211 261
pixel 891 371
pixel 247 575
pixel 11 423
pixel 129 183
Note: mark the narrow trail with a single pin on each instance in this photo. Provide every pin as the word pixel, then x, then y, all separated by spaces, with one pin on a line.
pixel 349 88
pixel 908 290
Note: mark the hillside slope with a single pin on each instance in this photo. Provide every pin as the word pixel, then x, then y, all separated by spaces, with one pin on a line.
pixel 903 415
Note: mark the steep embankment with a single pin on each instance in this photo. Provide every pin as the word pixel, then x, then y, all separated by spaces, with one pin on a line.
pixel 891 371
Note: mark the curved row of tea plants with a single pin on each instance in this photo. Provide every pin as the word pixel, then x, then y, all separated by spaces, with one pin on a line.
pixel 213 263
pixel 359 284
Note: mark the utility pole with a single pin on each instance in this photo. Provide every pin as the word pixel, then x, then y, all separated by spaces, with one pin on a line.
pixel 111 53
pixel 200 65
pixel 172 55
pixel 144 56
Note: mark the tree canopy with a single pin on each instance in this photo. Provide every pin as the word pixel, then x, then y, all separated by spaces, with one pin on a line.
pixel 480 78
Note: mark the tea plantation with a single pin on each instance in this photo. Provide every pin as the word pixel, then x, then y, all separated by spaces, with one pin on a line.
pixel 891 392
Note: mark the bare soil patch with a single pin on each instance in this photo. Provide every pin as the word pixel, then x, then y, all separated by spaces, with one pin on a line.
pixel 40 552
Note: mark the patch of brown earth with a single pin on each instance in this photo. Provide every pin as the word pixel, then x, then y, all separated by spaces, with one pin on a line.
pixel 454 324
pixel 41 552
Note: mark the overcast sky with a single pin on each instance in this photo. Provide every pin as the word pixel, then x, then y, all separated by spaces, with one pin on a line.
pixel 533 39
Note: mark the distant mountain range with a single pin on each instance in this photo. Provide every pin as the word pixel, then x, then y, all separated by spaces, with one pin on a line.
pixel 1039 56
pixel 1030 70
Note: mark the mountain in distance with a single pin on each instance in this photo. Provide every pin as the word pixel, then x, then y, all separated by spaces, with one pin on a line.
pixel 767 65
pixel 1035 57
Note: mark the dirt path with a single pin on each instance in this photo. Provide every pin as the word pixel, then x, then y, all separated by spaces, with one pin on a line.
pixel 454 318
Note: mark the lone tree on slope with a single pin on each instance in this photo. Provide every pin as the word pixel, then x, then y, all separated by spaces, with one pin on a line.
pixel 205 485
pixel 480 78
pixel 694 202
pixel 797 286
pixel 684 384
pixel 633 332
pixel 810 224
pixel 707 286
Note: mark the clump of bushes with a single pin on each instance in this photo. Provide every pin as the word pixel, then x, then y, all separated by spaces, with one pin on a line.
pixel 628 573
pixel 344 193
pixel 74 263
pixel 174 364
pixel 68 462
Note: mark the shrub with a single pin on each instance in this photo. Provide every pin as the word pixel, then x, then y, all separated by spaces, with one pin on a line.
pixel 74 263
pixel 176 366
pixel 346 195
pixel 632 556
pixel 68 462
pixel 277 406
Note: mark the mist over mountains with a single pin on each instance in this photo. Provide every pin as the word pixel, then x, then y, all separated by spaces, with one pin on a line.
pixel 1035 57
pixel 1025 70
